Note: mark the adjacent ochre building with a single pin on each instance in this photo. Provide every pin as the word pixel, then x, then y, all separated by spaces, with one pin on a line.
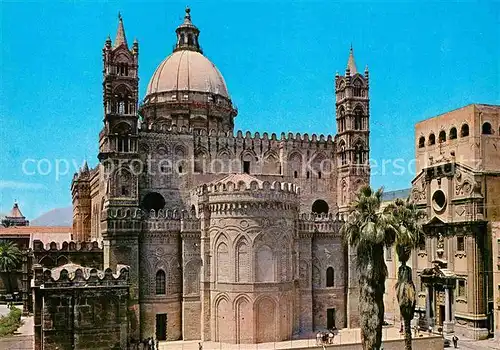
pixel 457 270
pixel 228 237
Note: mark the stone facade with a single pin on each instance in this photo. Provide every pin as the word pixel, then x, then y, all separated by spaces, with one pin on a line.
pixel 458 185
pixel 228 236
pixel 80 308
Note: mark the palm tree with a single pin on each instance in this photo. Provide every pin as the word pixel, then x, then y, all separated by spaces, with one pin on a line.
pixel 406 219
pixel 368 229
pixel 10 256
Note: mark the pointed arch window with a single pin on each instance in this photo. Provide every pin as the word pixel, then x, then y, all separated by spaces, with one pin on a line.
pixel 343 155
pixel 161 282
pixel 358 118
pixel 357 89
pixel 421 142
pixel 342 123
pixel 432 139
pixel 123 131
pixel 330 274
pixel 487 130
pixel 358 154
pixel 442 136
pixel 453 133
pixel 464 132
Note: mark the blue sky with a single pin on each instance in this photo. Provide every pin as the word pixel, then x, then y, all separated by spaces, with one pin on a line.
pixel 278 59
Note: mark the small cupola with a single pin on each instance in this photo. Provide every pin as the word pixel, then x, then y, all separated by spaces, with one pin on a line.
pixel 187 35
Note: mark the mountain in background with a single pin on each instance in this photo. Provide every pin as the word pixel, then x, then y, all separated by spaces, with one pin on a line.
pixel 55 217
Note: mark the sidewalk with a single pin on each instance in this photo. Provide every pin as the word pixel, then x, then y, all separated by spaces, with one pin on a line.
pixel 471 344
pixel 22 338
pixel 344 337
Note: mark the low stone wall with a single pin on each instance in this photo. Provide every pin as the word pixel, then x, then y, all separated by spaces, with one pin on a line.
pixel 427 343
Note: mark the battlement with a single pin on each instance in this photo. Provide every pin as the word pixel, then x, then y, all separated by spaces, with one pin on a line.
pixel 40 247
pixel 131 213
pixel 171 214
pixel 321 223
pixel 240 135
pixel 238 183
pixel 74 276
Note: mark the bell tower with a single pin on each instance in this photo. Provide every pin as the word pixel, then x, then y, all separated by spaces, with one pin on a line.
pixel 118 152
pixel 353 130
pixel 120 97
pixel 353 167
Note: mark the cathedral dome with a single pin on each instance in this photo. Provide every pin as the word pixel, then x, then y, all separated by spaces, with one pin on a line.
pixel 187 70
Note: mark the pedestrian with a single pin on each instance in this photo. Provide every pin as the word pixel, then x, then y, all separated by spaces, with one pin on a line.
pixel 150 343
pixel 330 337
pixel 455 341
pixel 318 338
pixel 200 346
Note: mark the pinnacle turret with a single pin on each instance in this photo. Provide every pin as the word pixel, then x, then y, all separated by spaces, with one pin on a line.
pixel 351 64
pixel 120 33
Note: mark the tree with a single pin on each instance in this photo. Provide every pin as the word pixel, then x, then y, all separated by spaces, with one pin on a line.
pixel 406 219
pixel 368 229
pixel 10 257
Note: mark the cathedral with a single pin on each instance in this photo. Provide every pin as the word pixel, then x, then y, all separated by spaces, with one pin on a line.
pixel 227 236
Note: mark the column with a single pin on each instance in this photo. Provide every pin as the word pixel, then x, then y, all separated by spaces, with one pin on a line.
pixel 428 303
pixel 452 305
pixel 446 304
pixel 448 323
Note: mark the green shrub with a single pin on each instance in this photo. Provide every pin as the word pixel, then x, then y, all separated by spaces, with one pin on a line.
pixel 10 322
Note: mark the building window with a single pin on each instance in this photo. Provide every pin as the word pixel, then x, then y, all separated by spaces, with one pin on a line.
pixel 320 207
pixel 246 167
pixel 357 89
pixel 487 129
pixel 421 142
pixel 160 282
pixel 432 139
pixel 453 133
pixel 461 289
pixel 330 274
pixel 319 175
pixel 307 175
pixel 442 136
pixel 358 154
pixel 461 243
pixel 465 131
pixel 123 144
pixel 295 174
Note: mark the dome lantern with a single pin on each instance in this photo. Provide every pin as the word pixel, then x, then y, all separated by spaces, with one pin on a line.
pixel 187 35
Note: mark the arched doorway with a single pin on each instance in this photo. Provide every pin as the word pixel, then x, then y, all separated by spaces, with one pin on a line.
pixel 320 207
pixel 153 200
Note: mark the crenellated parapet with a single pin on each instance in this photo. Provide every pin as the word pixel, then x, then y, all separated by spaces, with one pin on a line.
pixel 172 220
pixel 216 141
pixel 312 223
pixel 72 275
pixel 50 255
pixel 235 184
pixel 242 194
pixel 64 247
